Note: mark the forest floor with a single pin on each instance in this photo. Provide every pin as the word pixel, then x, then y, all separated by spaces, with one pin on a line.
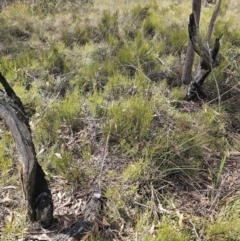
pixel 100 83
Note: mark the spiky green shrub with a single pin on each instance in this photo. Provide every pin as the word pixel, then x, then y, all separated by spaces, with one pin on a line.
pixel 151 24
pixel 64 163
pixel 129 120
pixel 173 152
pixel 70 110
pixel 167 230
pixel 176 153
pixel 49 127
pixel 226 226
pixel 212 122
pixel 15 224
pixel 67 111
pixel 16 29
pixel 78 33
pixel 117 86
pixel 45 7
pixel 109 24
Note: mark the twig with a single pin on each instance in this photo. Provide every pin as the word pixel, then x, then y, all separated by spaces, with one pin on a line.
pixel 104 156
pixel 63 205
pixel 224 93
pixel 166 66
pixel 195 231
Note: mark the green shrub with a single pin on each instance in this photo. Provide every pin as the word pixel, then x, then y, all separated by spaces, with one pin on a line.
pixel 47 132
pixel 63 163
pixel 117 86
pixel 70 110
pixel 129 120
pixel 6 156
pixel 109 24
pixel 226 227
pixel 97 105
pixel 67 111
pixel 167 230
pixel 79 34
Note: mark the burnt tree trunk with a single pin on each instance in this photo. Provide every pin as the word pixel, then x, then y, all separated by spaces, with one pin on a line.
pixel 35 188
pixel 208 58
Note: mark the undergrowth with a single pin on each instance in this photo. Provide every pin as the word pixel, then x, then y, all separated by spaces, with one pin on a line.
pixel 107 75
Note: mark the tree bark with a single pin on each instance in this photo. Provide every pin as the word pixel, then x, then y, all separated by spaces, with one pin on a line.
pixel 189 59
pixel 207 55
pixel 35 188
pixel 212 21
pixel 208 58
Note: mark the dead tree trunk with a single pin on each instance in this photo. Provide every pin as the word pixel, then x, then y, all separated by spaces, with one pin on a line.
pixel 208 58
pixel 35 188
pixel 207 55
pixel 212 21
pixel 187 69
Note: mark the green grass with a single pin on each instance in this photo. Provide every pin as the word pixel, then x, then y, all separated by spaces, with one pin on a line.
pixel 7 157
pixel 94 79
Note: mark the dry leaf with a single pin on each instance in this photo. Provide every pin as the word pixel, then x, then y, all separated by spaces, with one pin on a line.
pixel 9 187
pixel 163 210
pixel 97 195
pixel 152 230
pixel 9 218
pixel 105 222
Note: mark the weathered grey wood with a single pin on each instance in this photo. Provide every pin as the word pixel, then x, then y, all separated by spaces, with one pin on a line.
pixel 35 188
pixel 212 21
pixel 197 42
pixel 186 77
pixel 208 58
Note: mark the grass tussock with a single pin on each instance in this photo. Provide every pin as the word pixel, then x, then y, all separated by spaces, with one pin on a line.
pixel 100 83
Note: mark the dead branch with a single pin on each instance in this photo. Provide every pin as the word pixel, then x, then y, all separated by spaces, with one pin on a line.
pixel 212 21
